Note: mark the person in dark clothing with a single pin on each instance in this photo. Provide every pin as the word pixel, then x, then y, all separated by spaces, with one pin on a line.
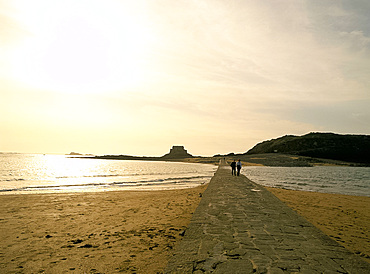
pixel 239 167
pixel 233 168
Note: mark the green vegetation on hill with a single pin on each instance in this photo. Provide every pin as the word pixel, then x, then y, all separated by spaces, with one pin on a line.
pixel 350 148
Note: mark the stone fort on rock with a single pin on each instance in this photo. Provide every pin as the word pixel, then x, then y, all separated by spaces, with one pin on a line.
pixel 177 152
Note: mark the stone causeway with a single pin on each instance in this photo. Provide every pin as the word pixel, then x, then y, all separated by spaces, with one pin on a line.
pixel 240 227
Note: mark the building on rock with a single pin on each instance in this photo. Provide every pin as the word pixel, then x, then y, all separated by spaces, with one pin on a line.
pixel 177 152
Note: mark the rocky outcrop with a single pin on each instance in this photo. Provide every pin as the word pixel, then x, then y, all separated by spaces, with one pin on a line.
pixel 74 154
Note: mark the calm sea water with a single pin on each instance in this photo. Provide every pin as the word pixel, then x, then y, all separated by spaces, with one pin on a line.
pixel 327 179
pixel 32 173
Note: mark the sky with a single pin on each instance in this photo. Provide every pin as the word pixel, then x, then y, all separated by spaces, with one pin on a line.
pixel 216 76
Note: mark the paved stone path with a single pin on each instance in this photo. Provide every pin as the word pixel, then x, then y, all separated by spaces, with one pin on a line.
pixel 239 227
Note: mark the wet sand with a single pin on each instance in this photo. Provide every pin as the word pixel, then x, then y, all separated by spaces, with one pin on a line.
pixel 344 218
pixel 104 232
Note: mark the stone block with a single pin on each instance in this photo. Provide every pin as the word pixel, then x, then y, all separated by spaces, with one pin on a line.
pixel 235 267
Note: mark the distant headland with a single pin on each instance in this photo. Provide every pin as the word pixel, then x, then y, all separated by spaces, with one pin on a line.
pixel 176 153
pixel 78 154
pixel 307 150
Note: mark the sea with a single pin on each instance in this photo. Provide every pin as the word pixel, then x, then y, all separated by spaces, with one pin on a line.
pixel 326 179
pixel 38 173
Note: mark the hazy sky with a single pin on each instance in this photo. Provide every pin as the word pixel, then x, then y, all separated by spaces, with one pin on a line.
pixel 136 77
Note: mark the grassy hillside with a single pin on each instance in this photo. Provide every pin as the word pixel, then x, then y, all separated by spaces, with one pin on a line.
pixel 350 148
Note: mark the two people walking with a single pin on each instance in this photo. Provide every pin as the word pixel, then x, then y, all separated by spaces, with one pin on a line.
pixel 236 166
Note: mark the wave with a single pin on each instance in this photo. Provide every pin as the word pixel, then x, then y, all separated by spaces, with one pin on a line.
pixel 130 174
pixel 13 179
pixel 149 182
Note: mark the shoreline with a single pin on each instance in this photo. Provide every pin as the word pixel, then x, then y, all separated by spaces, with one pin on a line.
pixel 97 190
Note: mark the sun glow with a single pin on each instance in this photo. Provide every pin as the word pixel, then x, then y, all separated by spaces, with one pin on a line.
pixel 83 46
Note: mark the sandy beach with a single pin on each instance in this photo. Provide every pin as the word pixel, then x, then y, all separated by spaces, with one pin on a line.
pixel 344 218
pixel 104 232
pixel 130 231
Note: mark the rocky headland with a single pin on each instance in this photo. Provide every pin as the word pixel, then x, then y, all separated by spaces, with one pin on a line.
pixel 308 150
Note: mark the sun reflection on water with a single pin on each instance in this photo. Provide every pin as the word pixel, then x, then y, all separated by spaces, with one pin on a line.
pixel 61 173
